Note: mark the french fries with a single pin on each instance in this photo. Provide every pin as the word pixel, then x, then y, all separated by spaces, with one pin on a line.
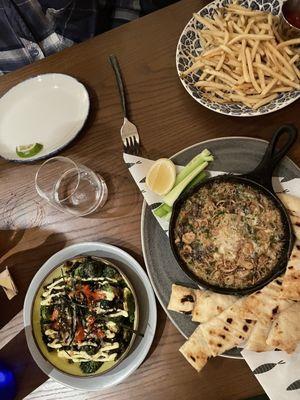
pixel 243 58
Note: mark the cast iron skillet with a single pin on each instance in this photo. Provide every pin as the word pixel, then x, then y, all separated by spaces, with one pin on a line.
pixel 261 180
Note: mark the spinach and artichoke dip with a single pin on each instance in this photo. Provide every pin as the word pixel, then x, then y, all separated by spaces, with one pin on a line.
pixel 87 314
pixel 229 234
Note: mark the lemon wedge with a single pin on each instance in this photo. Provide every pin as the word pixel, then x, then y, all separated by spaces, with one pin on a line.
pixel 161 176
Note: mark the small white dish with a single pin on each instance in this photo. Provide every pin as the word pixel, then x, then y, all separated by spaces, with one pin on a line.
pixel 147 313
pixel 49 109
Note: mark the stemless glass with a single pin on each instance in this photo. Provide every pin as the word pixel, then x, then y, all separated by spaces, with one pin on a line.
pixel 70 187
pixel 289 20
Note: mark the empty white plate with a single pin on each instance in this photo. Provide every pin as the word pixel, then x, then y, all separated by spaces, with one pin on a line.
pixel 49 109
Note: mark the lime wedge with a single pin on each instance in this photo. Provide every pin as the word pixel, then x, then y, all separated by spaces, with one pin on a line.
pixel 29 150
pixel 161 176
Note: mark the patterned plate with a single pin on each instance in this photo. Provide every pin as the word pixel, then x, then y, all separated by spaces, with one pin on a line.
pixel 189 44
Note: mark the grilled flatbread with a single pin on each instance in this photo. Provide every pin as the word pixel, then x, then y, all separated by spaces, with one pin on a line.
pixel 265 303
pixel 296 225
pixel 233 316
pixel 291 203
pixel 291 280
pixel 285 330
pixel 258 337
pixel 202 304
pixel 196 350
pixel 220 336
pixel 291 285
pixel 209 304
pixel 182 299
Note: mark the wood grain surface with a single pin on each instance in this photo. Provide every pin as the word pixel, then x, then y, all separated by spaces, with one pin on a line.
pixel 168 120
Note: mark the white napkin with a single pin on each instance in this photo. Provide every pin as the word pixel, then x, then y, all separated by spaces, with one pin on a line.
pixel 276 371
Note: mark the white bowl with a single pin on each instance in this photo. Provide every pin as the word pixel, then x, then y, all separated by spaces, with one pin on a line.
pixel 147 313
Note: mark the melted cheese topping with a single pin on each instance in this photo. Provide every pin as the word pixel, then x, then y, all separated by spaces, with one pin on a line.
pixel 229 234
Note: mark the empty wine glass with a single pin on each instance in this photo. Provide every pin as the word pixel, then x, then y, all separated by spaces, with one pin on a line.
pixel 70 187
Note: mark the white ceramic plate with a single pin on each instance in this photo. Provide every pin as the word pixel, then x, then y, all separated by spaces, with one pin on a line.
pixel 147 312
pixel 49 109
pixel 189 44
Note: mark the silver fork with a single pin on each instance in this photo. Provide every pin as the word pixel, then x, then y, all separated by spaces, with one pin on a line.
pixel 129 133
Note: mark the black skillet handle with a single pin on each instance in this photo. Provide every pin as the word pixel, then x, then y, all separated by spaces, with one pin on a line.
pixel 263 172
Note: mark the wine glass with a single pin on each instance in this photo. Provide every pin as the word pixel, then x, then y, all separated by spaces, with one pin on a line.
pixel 70 187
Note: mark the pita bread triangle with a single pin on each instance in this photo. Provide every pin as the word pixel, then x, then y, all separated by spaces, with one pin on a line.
pixel 182 299
pixel 285 330
pixel 258 338
pixel 196 350
pixel 291 280
pixel 209 304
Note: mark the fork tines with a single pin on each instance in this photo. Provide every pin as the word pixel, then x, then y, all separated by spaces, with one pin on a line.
pixel 131 145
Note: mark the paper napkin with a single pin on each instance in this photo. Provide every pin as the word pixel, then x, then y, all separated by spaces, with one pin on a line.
pixel 7 284
pixel 276 371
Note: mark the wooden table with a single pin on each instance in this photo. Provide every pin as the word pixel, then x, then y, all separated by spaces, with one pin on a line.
pixel 168 120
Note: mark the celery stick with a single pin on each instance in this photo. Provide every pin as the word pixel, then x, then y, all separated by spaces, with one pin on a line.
pixel 205 155
pixel 162 210
pixel 167 217
pixel 199 178
pixel 170 198
pixel 165 211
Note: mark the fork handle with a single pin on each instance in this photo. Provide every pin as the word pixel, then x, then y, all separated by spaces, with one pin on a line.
pixel 116 67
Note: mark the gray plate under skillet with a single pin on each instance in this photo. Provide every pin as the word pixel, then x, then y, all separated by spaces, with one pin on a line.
pixel 234 154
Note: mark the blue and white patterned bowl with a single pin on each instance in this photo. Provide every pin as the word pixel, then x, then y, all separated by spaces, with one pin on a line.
pixel 189 44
